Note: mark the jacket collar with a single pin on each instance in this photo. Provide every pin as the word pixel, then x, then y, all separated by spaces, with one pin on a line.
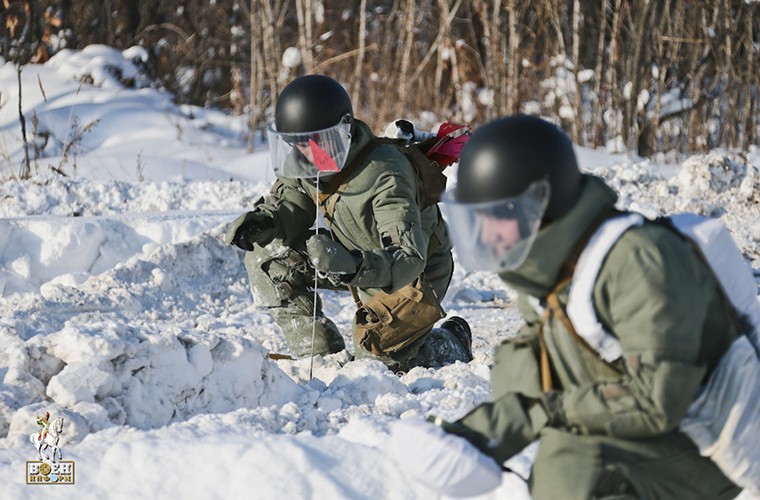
pixel 361 135
pixel 540 272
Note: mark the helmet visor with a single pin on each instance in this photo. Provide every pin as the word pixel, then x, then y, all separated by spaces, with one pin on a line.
pixel 496 235
pixel 309 154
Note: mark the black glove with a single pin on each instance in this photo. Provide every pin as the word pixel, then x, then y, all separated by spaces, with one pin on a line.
pixel 250 228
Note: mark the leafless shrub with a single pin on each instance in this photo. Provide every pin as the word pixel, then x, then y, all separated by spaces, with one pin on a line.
pixel 644 75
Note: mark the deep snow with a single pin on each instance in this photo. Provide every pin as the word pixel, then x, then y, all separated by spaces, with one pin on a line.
pixel 123 311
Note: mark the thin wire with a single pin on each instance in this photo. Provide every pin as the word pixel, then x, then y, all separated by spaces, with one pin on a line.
pixel 316 286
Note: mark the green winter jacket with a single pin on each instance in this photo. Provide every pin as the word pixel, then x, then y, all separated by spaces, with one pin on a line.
pixel 653 293
pixel 376 214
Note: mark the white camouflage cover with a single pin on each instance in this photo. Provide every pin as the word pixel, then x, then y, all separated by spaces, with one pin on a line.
pixel 724 419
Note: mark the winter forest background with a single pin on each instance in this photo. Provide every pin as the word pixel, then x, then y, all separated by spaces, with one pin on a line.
pixel 643 76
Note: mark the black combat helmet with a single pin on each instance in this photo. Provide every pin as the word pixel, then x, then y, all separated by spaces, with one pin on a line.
pixel 504 157
pixel 312 102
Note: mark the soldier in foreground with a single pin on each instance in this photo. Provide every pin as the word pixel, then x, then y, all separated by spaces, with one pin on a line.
pixel 605 394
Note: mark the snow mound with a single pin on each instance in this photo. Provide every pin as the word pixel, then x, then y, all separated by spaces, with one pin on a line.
pixel 40 251
pixel 103 66
pixel 718 184
pixel 78 197
pixel 114 349
pixel 717 173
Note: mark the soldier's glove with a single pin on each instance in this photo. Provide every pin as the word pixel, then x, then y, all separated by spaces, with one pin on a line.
pixel 331 259
pixel 457 429
pixel 250 228
pixel 450 427
pixel 551 402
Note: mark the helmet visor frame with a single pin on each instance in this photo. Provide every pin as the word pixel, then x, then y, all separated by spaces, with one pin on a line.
pixel 496 235
pixel 309 154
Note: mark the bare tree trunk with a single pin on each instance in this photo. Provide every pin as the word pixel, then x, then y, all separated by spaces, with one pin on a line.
pixel 358 69
pixel 557 24
pixel 696 126
pixel 599 88
pixel 496 64
pixel 636 66
pixel 254 74
pixel 435 46
pixel 503 86
pixel 270 49
pixel 648 133
pixel 309 15
pixel 403 82
pixel 303 13
pixel 390 60
pixel 456 81
pixel 514 57
pixel 26 169
pixel 438 76
pixel 611 80
pixel 678 27
pixel 729 96
pixel 580 136
pixel 496 67
pixel 748 129
pixel 491 25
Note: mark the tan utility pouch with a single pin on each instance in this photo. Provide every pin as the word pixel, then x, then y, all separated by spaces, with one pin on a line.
pixel 387 323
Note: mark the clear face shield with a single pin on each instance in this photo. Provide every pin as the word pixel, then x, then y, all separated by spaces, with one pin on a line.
pixel 497 235
pixel 310 154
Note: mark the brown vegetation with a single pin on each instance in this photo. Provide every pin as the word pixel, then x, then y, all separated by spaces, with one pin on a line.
pixel 654 75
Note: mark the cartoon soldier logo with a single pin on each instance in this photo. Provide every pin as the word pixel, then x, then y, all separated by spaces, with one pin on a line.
pixel 44 422
pixel 47 437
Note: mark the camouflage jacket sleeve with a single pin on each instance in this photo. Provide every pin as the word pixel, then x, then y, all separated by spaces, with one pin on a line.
pixel 291 208
pixel 662 302
pixel 402 255
pixel 513 419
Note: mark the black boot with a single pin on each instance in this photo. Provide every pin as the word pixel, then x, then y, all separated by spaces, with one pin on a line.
pixel 461 330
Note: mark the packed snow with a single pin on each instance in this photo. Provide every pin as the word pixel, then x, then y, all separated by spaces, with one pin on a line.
pixel 123 311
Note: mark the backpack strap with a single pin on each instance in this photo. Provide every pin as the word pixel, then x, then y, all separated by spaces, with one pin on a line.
pixel 331 191
pixel 568 268
pixel 580 304
pixel 554 306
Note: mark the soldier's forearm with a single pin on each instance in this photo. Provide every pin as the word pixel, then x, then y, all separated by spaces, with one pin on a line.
pixel 648 403
pixel 503 427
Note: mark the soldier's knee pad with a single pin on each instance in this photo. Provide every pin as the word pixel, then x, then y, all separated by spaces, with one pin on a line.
pixel 298 329
pixel 276 277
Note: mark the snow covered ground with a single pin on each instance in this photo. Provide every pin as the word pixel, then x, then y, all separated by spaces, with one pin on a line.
pixel 122 310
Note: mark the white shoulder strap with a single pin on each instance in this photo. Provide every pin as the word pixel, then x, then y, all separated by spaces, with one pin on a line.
pixel 733 272
pixel 580 305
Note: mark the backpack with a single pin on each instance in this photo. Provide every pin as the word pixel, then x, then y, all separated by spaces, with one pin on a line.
pixel 723 418
pixel 429 153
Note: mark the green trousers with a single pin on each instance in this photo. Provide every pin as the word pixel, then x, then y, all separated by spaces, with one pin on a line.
pixel 570 466
pixel 282 280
